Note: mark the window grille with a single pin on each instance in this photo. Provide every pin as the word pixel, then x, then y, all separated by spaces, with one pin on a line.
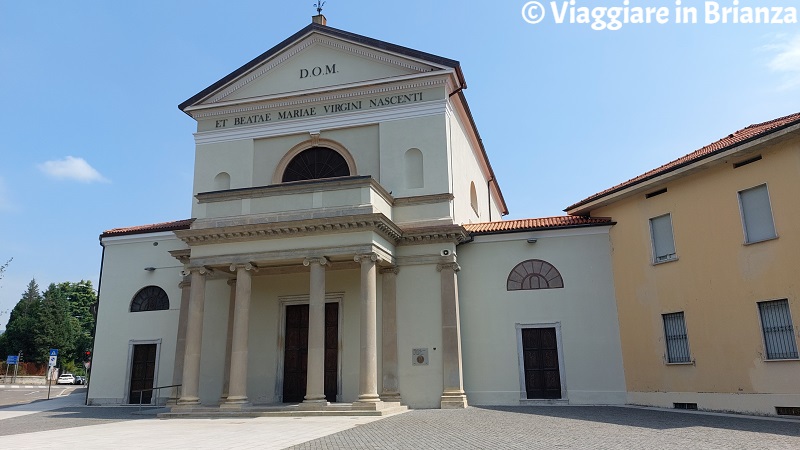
pixel 776 323
pixel 316 163
pixel 756 214
pixel 677 341
pixel 150 298
pixel 663 241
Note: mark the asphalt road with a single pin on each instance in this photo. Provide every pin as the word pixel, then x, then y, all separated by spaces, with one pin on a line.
pixel 11 396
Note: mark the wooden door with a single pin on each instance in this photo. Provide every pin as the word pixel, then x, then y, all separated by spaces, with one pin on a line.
pixel 540 356
pixel 295 359
pixel 143 369
pixel 295 354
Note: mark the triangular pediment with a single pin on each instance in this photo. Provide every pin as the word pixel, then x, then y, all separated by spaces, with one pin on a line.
pixel 319 58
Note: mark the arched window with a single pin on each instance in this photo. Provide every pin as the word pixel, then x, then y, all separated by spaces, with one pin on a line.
pixel 473 197
pixel 150 298
pixel 534 274
pixel 222 181
pixel 414 169
pixel 315 163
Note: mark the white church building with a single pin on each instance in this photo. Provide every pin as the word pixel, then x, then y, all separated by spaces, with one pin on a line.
pixel 346 251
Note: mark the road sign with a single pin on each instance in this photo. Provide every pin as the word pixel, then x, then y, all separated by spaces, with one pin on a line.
pixel 53 352
pixel 12 359
pixel 52 362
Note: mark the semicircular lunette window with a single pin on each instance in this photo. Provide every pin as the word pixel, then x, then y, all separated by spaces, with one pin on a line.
pixel 315 163
pixel 534 274
pixel 150 298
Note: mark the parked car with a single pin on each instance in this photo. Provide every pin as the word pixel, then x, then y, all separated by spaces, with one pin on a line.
pixel 66 378
pixel 80 379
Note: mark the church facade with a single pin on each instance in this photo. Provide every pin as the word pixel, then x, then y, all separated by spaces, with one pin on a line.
pixel 346 247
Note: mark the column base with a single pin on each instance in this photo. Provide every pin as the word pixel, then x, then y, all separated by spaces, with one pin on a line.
pixel 235 403
pixel 189 401
pixel 374 406
pixel 313 405
pixel 390 396
pixel 453 400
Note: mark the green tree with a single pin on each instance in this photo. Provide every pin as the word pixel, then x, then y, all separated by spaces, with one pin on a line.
pixel 20 334
pixel 81 297
pixel 57 328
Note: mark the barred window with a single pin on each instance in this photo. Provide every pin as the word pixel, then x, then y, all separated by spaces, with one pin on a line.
pixel 150 298
pixel 776 324
pixel 677 341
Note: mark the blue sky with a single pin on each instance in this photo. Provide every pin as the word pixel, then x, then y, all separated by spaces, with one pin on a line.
pixel 91 137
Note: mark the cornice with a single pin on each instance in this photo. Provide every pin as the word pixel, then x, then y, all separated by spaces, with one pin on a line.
pixel 423 199
pixel 319 95
pixel 376 222
pixel 327 122
pixel 434 235
pixel 182 255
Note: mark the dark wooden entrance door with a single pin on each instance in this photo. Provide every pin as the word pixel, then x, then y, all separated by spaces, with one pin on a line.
pixel 295 359
pixel 540 354
pixel 143 369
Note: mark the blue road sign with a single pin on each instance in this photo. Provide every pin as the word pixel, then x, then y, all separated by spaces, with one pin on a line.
pixel 12 359
pixel 53 352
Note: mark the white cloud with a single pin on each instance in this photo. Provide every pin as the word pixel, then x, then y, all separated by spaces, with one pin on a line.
pixel 71 168
pixel 786 60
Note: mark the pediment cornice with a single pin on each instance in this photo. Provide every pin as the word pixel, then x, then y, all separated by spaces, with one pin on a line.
pixel 318 38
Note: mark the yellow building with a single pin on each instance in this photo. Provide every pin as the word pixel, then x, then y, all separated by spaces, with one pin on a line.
pixel 706 274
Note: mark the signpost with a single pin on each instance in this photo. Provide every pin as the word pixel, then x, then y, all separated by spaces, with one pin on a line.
pixel 12 359
pixel 50 365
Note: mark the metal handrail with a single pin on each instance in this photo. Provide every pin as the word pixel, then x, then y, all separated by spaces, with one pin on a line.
pixel 158 388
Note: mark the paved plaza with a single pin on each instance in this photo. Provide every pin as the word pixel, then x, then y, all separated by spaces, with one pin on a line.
pixel 64 423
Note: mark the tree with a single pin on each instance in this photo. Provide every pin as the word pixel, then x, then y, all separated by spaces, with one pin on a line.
pixel 80 297
pixel 57 328
pixel 20 332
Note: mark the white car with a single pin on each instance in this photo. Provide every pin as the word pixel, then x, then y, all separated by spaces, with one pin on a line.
pixel 66 378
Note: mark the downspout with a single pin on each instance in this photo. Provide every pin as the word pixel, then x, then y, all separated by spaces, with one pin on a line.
pixel 96 314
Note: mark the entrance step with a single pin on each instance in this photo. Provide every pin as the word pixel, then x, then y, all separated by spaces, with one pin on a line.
pixel 332 409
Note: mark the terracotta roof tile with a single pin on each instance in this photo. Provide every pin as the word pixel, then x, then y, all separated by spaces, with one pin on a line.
pixel 152 228
pixel 745 134
pixel 506 226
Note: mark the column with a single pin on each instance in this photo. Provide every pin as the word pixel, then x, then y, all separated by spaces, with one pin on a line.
pixel 180 341
pixel 390 391
pixel 453 395
pixel 194 337
pixel 237 390
pixel 368 379
pixel 226 373
pixel 315 373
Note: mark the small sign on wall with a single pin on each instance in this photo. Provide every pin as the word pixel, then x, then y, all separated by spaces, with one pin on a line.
pixel 419 357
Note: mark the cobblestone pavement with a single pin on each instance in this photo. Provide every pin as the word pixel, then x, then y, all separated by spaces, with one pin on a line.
pixel 563 427
pixel 557 427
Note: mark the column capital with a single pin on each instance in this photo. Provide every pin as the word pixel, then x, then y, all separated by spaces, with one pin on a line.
pixel 450 265
pixel 231 282
pixel 245 266
pixel 204 271
pixel 392 269
pixel 184 284
pixel 365 257
pixel 321 260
